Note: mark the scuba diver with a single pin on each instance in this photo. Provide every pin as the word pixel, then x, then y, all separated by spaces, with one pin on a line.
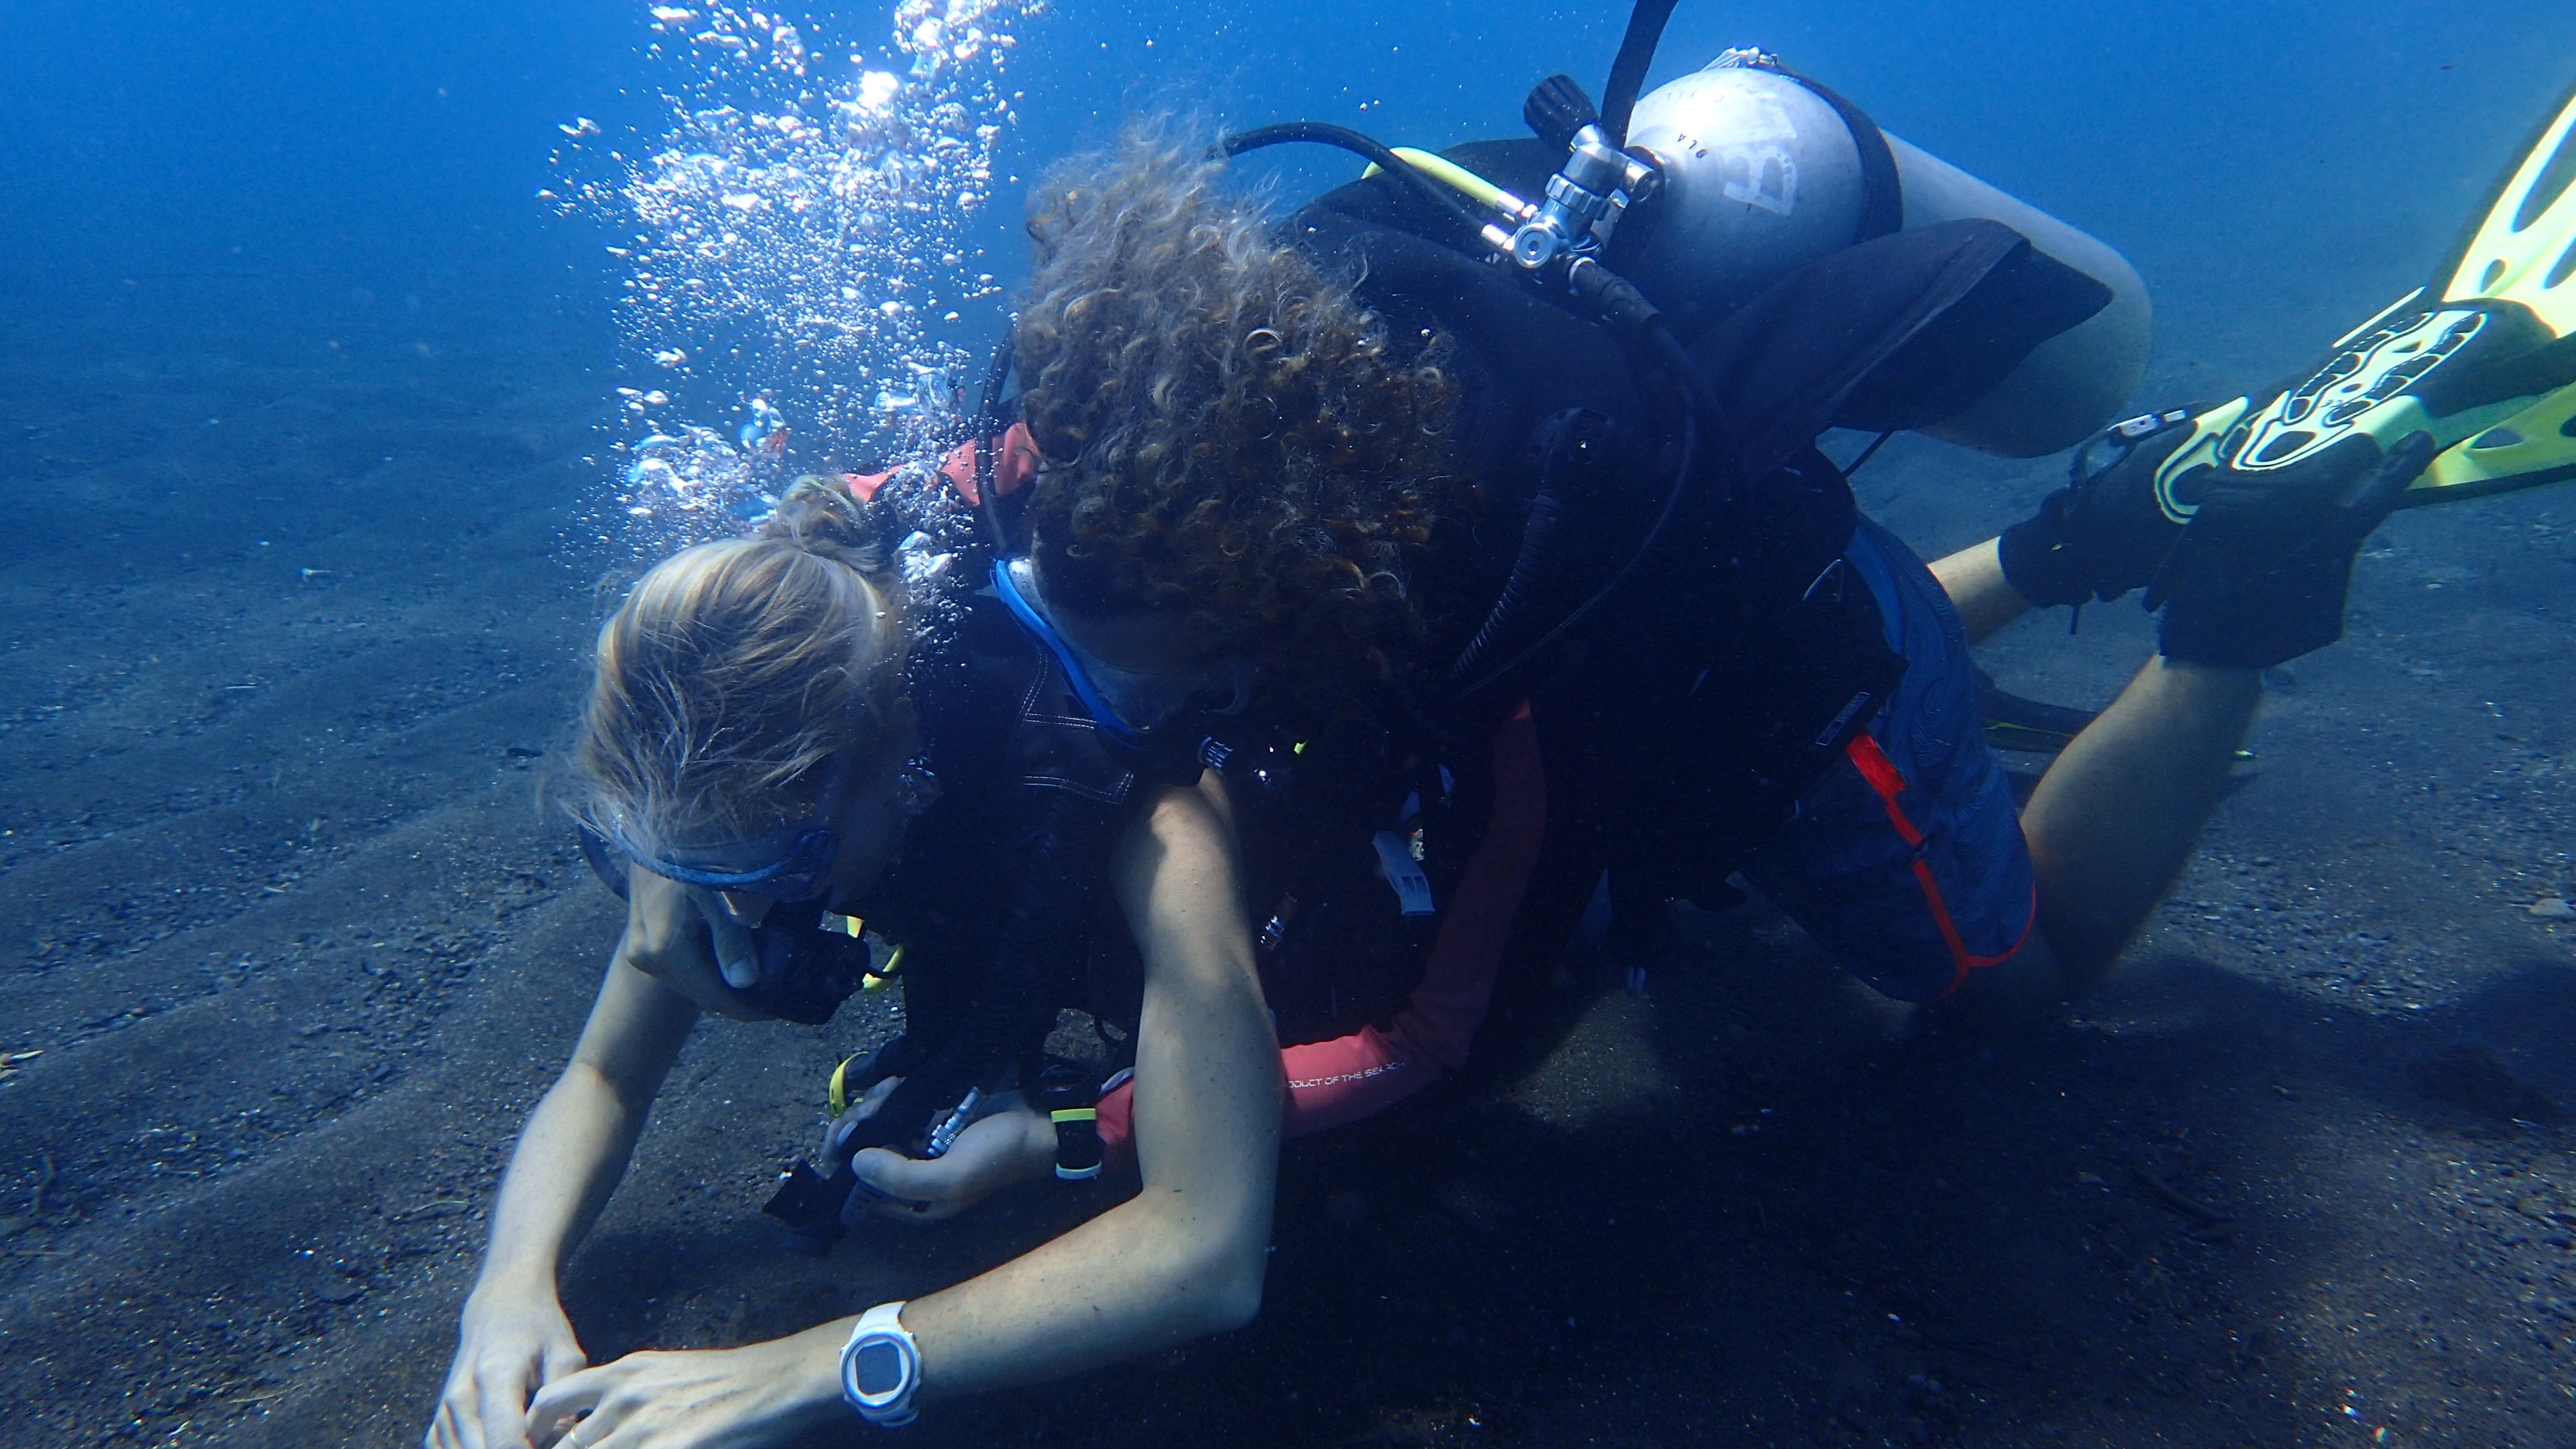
pixel 1729 671
pixel 755 747
pixel 1384 578
pixel 1627 530
pixel 770 747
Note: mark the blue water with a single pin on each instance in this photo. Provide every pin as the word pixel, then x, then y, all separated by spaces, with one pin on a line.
pixel 314 460
pixel 2266 144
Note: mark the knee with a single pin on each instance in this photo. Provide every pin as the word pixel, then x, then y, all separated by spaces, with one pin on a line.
pixel 2019 995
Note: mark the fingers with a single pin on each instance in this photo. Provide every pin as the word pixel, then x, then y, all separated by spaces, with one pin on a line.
pixel 553 1413
pixel 867 1106
pixel 449 1431
pixel 836 1136
pixel 912 1189
pixel 896 1175
pixel 562 1359
pixel 996 1151
pixel 662 922
pixel 736 954
pixel 573 1431
pixel 496 1421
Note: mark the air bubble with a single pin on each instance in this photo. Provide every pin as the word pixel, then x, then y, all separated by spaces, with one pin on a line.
pixel 794 238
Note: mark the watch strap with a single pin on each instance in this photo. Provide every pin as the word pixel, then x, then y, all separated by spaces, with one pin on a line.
pixel 882 1326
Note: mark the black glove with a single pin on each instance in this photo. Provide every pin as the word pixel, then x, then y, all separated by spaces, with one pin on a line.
pixel 2260 576
pixel 2102 534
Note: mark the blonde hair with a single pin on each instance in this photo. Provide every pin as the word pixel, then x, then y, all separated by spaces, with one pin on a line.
pixel 733 671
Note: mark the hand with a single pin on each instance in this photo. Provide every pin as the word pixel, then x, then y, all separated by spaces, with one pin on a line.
pixel 2260 577
pixel 668 937
pixel 2106 532
pixel 733 1398
pixel 508 1346
pixel 1009 1142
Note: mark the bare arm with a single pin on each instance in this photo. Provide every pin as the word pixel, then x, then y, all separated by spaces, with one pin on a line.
pixel 1182 1259
pixel 577 1142
pixel 513 1338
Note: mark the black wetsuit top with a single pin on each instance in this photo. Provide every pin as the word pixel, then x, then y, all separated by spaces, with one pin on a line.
pixel 1678 726
pixel 1009 744
pixel 1683 720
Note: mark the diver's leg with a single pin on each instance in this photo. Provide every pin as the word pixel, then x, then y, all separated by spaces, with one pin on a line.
pixel 1935 917
pixel 1974 580
pixel 2115 817
pixel 1906 861
pixel 2260 579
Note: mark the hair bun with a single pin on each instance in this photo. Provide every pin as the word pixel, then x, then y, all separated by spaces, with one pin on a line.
pixel 820 516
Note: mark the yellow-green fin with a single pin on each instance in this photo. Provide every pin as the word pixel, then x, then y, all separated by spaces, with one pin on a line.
pixel 2507 291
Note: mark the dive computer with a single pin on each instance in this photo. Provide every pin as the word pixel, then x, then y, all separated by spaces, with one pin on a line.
pixel 881 1368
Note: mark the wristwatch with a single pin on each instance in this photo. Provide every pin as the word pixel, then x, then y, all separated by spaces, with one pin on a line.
pixel 881 1368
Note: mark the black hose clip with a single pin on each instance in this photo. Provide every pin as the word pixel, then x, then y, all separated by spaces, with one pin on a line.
pixel 1066 1093
pixel 1611 296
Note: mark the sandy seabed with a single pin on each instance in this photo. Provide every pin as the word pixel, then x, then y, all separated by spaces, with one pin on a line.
pixel 295 607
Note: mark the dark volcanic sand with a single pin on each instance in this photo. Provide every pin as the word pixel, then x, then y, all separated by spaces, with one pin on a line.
pixel 295 954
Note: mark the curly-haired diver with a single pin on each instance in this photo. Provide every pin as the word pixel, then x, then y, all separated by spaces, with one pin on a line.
pixel 1780 689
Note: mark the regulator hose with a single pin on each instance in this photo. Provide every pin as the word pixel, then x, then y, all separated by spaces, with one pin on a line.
pixel 1322 133
pixel 1627 311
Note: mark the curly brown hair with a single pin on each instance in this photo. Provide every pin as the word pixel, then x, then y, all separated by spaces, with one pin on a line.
pixel 1229 431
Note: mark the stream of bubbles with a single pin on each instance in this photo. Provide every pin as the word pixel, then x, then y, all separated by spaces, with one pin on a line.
pixel 796 275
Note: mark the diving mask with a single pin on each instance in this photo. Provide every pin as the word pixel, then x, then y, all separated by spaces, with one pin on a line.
pixel 764 898
pixel 1138 709
pixel 799 864
pixel 794 861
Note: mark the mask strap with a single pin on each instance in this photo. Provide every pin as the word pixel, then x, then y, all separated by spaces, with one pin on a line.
pixel 1102 714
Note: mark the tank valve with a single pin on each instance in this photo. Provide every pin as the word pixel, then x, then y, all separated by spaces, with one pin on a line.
pixel 1584 202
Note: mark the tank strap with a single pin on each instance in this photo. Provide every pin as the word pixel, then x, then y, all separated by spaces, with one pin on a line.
pixel 1882 191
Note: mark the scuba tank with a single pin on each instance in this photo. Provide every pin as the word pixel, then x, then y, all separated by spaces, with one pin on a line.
pixel 1763 170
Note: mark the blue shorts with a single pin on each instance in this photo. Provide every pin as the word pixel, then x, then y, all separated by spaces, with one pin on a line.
pixel 1907 860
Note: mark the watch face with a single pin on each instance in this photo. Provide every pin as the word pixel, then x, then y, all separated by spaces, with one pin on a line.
pixel 877 1367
